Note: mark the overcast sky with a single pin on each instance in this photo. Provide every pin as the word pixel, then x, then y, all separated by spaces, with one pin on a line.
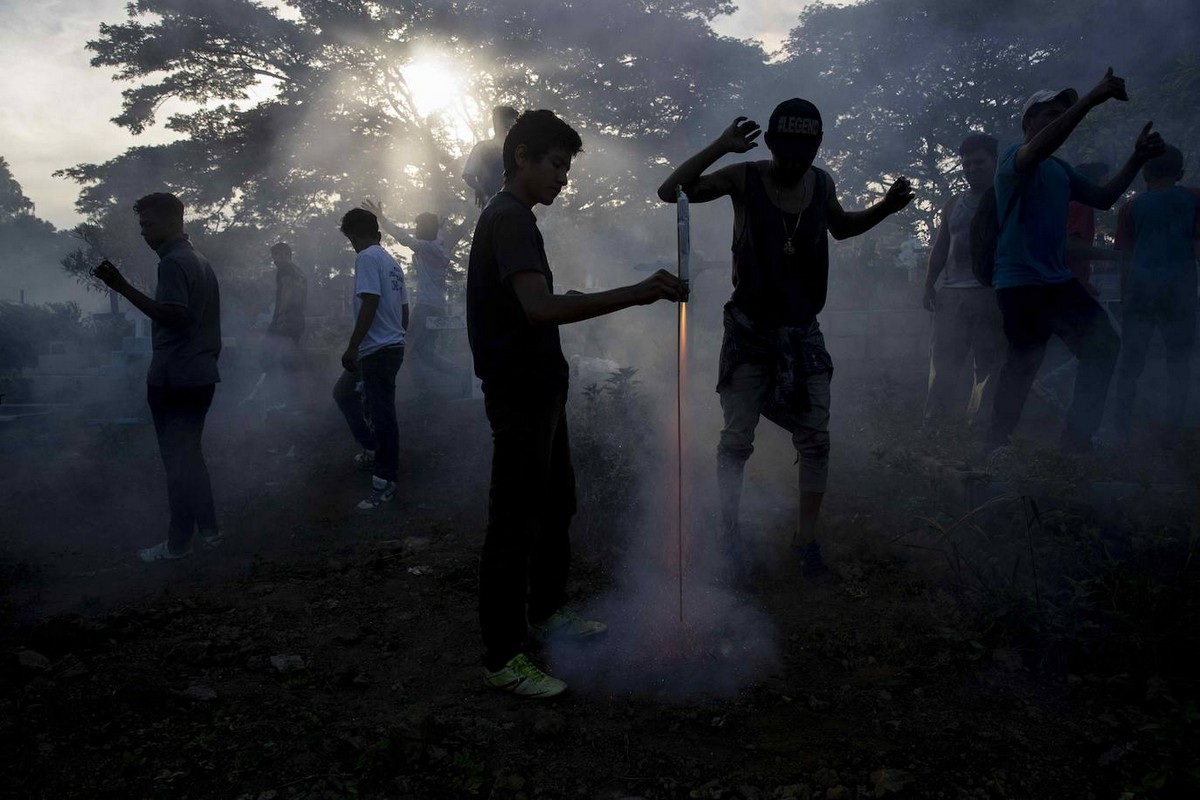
pixel 57 108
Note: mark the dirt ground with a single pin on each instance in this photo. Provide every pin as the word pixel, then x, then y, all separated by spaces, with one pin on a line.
pixel 324 653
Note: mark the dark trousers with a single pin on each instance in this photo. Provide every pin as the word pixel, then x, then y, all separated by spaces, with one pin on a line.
pixel 1176 321
pixel 371 413
pixel 179 415
pixel 1031 315
pixel 527 550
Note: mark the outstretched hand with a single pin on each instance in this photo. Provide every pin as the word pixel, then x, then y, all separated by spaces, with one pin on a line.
pixel 899 194
pixel 109 275
pixel 1110 87
pixel 662 285
pixel 375 207
pixel 1149 145
pixel 740 135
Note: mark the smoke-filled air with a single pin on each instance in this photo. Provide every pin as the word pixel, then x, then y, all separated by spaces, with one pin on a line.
pixel 625 400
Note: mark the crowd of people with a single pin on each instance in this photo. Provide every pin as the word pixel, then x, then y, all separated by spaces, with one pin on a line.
pixel 1009 268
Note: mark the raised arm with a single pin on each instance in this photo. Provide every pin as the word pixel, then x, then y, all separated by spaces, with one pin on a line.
pixel 1148 145
pixel 701 188
pixel 1046 142
pixel 169 315
pixel 541 307
pixel 844 224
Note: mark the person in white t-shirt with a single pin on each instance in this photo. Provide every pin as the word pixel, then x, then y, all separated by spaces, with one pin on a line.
pixel 432 247
pixel 373 356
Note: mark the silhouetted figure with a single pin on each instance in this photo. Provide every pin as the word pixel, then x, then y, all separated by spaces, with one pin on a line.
pixel 366 391
pixel 1158 235
pixel 484 170
pixel 773 357
pixel 512 322
pixel 185 317
pixel 431 248
pixel 287 322
pixel 1038 295
pixel 966 320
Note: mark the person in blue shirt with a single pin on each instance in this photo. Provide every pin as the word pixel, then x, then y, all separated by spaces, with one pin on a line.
pixel 1036 291
pixel 1158 236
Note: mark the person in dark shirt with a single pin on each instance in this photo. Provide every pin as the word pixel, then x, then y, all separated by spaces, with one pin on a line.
pixel 484 170
pixel 287 325
pixel 186 333
pixel 773 357
pixel 1158 235
pixel 513 316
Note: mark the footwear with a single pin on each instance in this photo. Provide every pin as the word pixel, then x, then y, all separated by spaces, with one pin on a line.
pixel 812 563
pixel 162 552
pixel 211 539
pixel 520 677
pixel 565 624
pixel 365 460
pixel 381 492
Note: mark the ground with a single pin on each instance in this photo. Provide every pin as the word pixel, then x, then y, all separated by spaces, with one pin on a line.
pixel 324 653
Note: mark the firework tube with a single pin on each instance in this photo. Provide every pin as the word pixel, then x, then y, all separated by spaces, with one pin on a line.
pixel 683 218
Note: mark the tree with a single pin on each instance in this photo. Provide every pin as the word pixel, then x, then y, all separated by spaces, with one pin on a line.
pixel 342 123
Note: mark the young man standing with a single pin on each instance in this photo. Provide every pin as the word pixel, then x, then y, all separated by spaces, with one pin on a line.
pixel 185 317
pixel 965 317
pixel 484 170
pixel 773 357
pixel 287 322
pixel 1037 294
pixel 373 356
pixel 1158 235
pixel 513 316
pixel 431 249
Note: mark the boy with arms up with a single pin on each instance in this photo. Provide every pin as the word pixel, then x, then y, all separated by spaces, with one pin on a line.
pixel 773 357
pixel 513 316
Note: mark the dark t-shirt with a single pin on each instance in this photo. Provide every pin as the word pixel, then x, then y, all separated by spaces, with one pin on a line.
pixel 510 354
pixel 186 356
pixel 291 297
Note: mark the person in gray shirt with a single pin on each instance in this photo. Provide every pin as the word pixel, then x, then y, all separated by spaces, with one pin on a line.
pixel 186 334
pixel 966 319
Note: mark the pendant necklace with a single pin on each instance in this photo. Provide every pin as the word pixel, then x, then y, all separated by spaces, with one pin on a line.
pixel 789 249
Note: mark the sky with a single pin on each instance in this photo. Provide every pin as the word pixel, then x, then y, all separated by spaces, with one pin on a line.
pixel 57 108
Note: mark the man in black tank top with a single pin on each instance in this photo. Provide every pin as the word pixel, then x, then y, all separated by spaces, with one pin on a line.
pixel 773 357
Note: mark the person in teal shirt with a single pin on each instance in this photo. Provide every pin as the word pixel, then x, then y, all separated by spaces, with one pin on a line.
pixel 1158 235
pixel 1036 291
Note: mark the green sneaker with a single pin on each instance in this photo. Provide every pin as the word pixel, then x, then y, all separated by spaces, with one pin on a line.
pixel 520 677
pixel 565 624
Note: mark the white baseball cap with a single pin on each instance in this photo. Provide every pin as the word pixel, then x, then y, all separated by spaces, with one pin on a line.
pixel 1048 96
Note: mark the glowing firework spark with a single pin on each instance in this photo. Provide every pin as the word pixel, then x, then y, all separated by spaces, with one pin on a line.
pixel 685 253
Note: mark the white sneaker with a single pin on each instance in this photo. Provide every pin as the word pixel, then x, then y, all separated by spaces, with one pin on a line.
pixel 566 624
pixel 381 492
pixel 520 677
pixel 162 552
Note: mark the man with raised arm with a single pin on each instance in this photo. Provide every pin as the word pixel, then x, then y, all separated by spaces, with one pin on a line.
pixel 185 317
pixel 513 316
pixel 1037 293
pixel 773 357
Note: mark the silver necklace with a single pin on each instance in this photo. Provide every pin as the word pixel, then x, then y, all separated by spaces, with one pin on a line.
pixel 789 249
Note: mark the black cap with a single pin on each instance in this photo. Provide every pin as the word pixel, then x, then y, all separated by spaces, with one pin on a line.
pixel 795 125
